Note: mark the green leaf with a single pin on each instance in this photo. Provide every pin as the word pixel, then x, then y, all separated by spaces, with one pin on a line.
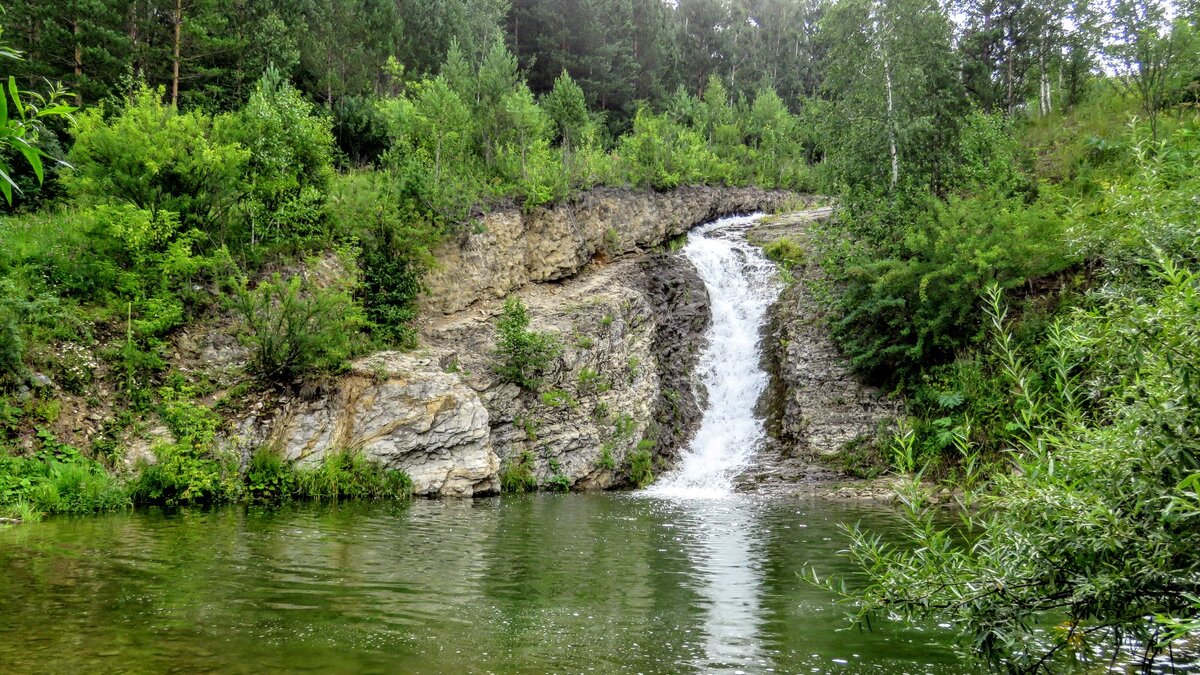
pixel 6 187
pixel 16 96
pixel 35 161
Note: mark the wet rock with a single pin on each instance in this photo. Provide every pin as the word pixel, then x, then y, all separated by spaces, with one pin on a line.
pixel 680 305
pixel 816 407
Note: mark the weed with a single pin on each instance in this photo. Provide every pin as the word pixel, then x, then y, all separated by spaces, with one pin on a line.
pixel 624 426
pixel 269 478
pixel 557 398
pixel 606 457
pixel 558 482
pixel 348 474
pixel 517 476
pixel 641 468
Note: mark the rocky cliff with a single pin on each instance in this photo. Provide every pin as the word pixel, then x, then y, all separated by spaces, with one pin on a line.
pixel 819 415
pixel 509 249
pixel 631 322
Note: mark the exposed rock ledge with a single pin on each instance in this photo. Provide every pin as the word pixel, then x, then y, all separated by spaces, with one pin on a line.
pixel 510 249
pixel 631 327
pixel 818 412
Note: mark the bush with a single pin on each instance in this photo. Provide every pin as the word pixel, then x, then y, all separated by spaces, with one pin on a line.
pixel 78 487
pixel 157 158
pixel 291 161
pixel 525 355
pixel 906 308
pixel 293 331
pixel 1096 528
pixel 662 154
pixel 347 474
pixel 517 475
pixel 641 467
pixel 57 479
pixel 191 470
pixel 269 478
pixel 397 242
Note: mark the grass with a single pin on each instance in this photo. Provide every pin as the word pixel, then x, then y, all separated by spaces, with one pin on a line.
pixel 517 475
pixel 641 467
pixel 347 474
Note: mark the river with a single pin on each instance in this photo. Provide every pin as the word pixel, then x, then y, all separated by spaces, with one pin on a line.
pixel 606 583
pixel 687 576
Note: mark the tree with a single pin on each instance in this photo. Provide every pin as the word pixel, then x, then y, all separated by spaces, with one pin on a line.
pixel 498 77
pixel 1155 56
pixel 441 125
pixel 291 157
pixel 568 110
pixel 157 158
pixel 896 97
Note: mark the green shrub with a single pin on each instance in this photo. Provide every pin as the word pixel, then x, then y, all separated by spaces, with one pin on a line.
pixel 290 164
pixel 915 306
pixel 347 474
pixel 607 461
pixel 1096 524
pixel 21 511
pixel 58 479
pixel 269 478
pixel 624 426
pixel 78 487
pixel 662 154
pixel 190 470
pixel 157 158
pixel 517 475
pixel 12 347
pixel 294 331
pixel 397 239
pixel 524 355
pixel 641 467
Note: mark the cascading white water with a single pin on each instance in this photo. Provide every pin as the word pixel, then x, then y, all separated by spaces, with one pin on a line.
pixel 741 287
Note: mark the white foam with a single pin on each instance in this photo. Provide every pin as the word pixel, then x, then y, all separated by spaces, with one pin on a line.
pixel 741 286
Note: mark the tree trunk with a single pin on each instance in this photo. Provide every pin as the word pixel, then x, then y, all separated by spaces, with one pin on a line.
pixel 133 40
pixel 1009 103
pixel 175 61
pixel 1043 85
pixel 891 123
pixel 78 62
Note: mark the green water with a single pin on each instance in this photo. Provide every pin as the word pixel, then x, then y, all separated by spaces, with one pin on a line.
pixel 547 583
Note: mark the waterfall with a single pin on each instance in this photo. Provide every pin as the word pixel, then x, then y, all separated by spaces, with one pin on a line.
pixel 741 286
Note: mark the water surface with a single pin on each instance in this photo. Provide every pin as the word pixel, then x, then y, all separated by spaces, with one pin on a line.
pixel 609 583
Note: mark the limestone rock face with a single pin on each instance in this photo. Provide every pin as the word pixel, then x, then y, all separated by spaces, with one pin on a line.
pixel 631 326
pixel 596 402
pixel 512 249
pixel 817 409
pixel 403 410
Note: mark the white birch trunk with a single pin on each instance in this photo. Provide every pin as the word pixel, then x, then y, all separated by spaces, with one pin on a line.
pixel 891 123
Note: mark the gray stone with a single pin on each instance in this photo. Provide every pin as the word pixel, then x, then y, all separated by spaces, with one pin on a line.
pixel 400 409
